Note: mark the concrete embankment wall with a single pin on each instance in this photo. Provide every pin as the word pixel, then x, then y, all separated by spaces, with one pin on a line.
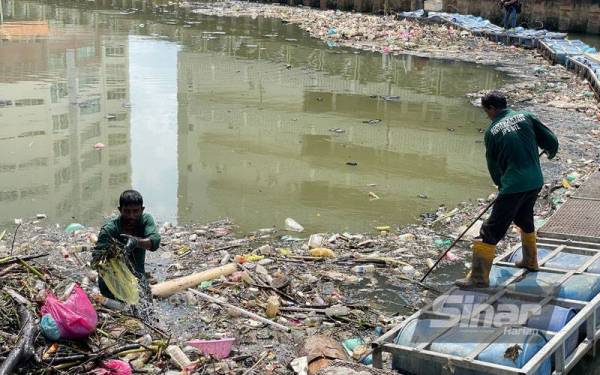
pixel 562 15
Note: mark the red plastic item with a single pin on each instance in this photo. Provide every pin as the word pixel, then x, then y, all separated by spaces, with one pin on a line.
pixel 76 318
pixel 113 367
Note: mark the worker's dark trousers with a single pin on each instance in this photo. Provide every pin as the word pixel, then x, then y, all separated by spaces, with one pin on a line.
pixel 104 289
pixel 508 208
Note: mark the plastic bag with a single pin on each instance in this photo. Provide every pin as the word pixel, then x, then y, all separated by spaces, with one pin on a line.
pixel 120 281
pixel 49 328
pixel 75 318
pixel 113 367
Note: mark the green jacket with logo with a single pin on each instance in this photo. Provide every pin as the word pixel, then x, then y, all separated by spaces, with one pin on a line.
pixel 511 143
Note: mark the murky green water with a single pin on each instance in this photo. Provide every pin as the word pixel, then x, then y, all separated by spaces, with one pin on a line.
pixel 227 118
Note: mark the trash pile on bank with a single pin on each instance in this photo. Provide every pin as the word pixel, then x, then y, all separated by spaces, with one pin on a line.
pixel 479 24
pixel 274 301
pixel 265 303
pixel 554 86
pixel 539 80
pixel 357 30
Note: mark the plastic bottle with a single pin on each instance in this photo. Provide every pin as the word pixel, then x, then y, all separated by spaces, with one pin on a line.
pixel 178 356
pixel 408 270
pixel 293 225
pixel 85 282
pixel 315 240
pixel 226 258
pixel 365 268
pixel 110 303
pixel 407 237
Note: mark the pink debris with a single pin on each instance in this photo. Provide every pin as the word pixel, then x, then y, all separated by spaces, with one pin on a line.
pixel 451 257
pixel 113 367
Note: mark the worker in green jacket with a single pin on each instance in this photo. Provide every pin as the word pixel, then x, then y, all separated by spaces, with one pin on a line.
pixel 511 142
pixel 133 229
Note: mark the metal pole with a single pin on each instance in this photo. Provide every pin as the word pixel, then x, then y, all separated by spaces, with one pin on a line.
pixel 463 233
pixel 458 238
pixel 1 13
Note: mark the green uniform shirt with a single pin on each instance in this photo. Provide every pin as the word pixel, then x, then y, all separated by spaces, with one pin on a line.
pixel 146 228
pixel 511 143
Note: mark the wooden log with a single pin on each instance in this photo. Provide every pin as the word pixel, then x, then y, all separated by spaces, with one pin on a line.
pixel 240 310
pixel 170 287
pixel 24 349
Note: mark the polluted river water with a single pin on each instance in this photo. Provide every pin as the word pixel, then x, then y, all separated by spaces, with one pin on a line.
pixel 238 117
pixel 244 118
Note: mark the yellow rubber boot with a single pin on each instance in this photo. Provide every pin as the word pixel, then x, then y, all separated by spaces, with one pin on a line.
pixel 479 276
pixel 529 251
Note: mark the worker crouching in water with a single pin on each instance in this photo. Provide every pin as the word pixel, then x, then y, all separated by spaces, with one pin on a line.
pixel 135 230
pixel 511 143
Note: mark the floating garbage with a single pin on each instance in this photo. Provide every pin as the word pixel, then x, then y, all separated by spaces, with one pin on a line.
pixel 356 348
pixel 316 240
pixel 322 252
pixel 113 367
pixel 366 268
pixel 74 318
pixel 293 225
pixel 71 228
pixel 442 243
pixel 49 328
pixel 217 348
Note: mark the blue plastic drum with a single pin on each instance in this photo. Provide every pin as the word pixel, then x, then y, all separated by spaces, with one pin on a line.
pixel 455 301
pixel 461 341
pixel 517 255
pixel 577 287
pixel 499 275
pixel 549 318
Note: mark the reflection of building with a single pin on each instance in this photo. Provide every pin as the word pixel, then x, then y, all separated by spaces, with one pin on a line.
pixel 253 134
pixel 25 29
pixel 59 96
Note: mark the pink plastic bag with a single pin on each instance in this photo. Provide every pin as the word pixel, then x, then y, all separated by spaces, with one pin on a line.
pixel 113 367
pixel 76 318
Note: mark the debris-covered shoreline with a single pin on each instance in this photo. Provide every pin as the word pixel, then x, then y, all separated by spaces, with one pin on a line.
pixel 281 275
pixel 318 285
pixel 539 82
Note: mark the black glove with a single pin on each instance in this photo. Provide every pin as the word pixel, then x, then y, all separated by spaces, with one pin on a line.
pixel 549 155
pixel 132 243
pixel 97 255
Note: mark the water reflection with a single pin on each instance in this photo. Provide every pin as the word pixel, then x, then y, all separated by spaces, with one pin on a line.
pixel 154 123
pixel 230 117
pixel 62 92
